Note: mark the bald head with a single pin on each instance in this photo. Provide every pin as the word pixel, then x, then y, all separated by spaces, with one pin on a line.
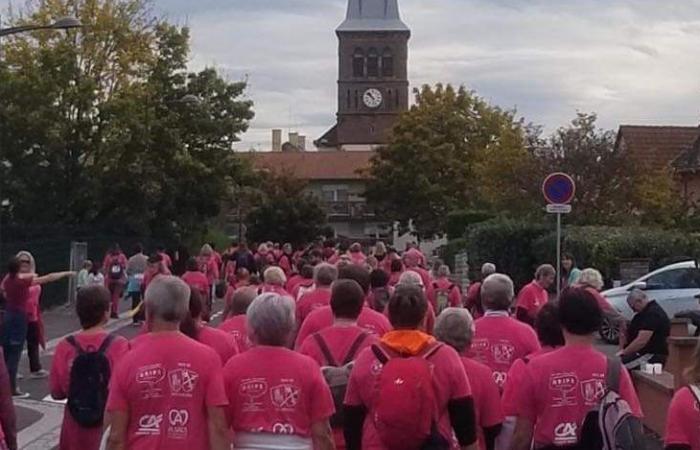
pixel 167 299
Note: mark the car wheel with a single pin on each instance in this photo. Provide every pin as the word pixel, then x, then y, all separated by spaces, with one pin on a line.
pixel 609 331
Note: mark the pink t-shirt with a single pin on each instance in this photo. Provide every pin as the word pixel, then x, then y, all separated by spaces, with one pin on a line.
pixel 683 422
pixel 311 301
pixel 558 390
pixel 473 300
pixel 33 303
pixel 301 288
pixel 73 436
pixel 223 343
pixel 449 383
pixel 16 292
pixel 487 400
pixel 236 327
pixel 339 339
pixel 514 378
pixel 532 297
pixel 209 267
pixel 454 296
pixel 165 384
pixel 275 390
pixel 271 288
pixel 292 282
pixel 197 280
pixel 501 340
pixel 110 261
pixel 357 258
pixel 369 320
pixel 167 261
pixel 394 278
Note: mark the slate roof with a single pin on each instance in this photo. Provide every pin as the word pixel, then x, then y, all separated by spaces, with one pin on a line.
pixel 373 15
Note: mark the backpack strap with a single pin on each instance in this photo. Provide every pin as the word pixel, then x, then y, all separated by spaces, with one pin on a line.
pixel 74 343
pixel 383 355
pixel 432 349
pixel 612 375
pixel 324 349
pixel 105 344
pixel 354 348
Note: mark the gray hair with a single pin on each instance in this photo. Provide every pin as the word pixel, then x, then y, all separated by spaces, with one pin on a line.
pixel 325 274
pixel 488 269
pixel 168 299
pixel 545 270
pixel 497 292
pixel 455 327
pixel 593 278
pixel 411 278
pixel 274 275
pixel 206 250
pixel 443 271
pixel 241 300
pixel 637 294
pixel 271 320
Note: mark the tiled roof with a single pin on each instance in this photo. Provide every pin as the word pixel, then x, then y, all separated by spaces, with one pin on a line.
pixel 657 146
pixel 330 165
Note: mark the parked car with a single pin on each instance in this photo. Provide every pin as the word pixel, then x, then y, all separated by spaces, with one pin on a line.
pixel 674 288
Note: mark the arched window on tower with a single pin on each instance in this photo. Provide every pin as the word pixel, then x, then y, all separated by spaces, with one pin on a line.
pixel 358 63
pixel 372 63
pixel 387 63
pixel 388 103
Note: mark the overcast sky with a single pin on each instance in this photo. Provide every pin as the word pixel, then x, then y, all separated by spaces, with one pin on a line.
pixel 631 61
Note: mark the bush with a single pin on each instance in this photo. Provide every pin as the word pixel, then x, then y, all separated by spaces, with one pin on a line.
pixel 458 222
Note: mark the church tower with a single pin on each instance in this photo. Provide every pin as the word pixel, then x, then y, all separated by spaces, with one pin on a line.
pixel 372 75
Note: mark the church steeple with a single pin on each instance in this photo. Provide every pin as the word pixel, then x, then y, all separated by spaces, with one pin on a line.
pixel 373 15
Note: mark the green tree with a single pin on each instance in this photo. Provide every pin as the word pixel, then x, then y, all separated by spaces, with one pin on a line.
pixel 285 212
pixel 438 158
pixel 93 129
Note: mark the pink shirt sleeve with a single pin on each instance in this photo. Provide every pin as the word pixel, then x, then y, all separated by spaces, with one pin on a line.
pixel 310 349
pixel 683 415
pixel 215 394
pixel 526 299
pixel 459 383
pixel 526 397
pixel 59 372
pixel 304 332
pixel 117 400
pixel 512 386
pixel 455 297
pixel 490 411
pixel 320 400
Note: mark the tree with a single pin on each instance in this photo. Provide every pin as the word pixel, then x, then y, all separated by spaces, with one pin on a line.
pixel 285 212
pixel 92 127
pixel 438 157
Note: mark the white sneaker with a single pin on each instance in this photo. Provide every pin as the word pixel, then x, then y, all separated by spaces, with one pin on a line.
pixel 39 374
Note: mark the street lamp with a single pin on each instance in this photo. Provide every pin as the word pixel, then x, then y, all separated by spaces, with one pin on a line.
pixel 64 23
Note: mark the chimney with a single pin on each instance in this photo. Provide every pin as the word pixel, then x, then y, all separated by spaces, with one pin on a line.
pixel 302 143
pixel 294 139
pixel 276 140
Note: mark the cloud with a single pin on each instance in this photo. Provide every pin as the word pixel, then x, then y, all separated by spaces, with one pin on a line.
pixel 631 61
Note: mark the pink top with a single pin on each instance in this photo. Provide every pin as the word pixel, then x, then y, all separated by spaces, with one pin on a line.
pixel 558 390
pixel 357 258
pixel 451 289
pixel 164 384
pixel 74 436
pixel 275 390
pixel 449 383
pixel 311 301
pixel 167 261
pixel 532 297
pixel 222 342
pixel 339 339
pixel 301 288
pixel 499 341
pixel 271 288
pixel 33 303
pixel 473 299
pixel 369 320
pixel 513 380
pixel 110 261
pixel 209 267
pixel 197 280
pixel 236 326
pixel 16 292
pixel 292 282
pixel 487 400
pixel 683 422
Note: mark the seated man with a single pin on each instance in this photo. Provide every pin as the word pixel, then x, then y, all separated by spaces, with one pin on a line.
pixel 644 341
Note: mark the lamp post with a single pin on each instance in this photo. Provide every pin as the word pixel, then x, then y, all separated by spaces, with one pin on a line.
pixel 64 23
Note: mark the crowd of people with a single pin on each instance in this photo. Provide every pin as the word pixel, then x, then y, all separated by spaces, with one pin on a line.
pixel 335 347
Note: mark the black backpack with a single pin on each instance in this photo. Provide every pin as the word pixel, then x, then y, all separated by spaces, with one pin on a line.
pixel 89 383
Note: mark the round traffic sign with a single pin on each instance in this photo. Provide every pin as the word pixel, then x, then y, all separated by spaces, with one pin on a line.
pixel 559 189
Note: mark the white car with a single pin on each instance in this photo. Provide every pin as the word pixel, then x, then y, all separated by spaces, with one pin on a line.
pixel 674 288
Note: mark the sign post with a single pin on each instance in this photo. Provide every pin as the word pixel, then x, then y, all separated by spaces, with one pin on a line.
pixel 559 190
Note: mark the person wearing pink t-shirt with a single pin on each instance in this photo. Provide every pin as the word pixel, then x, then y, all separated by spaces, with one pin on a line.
pixel 286 259
pixel 234 322
pixel 454 414
pixel 208 264
pixel 414 260
pixel 195 278
pixel 92 307
pixel 221 342
pixel 444 288
pixel 683 421
pixel 114 268
pixel 339 345
pixel 167 260
pixel 356 255
pixel 472 301
pixel 396 272
pixel 277 397
pixel 324 276
pixel 500 340
pixel 274 281
pixel 8 420
pixel 168 391
pixel 534 295
pixel 411 277
pixel 454 327
pixel 560 388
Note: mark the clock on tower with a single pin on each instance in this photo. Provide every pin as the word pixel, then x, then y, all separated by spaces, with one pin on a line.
pixel 372 75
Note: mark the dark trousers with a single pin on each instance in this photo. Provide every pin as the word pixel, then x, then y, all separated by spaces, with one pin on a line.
pixel 14 334
pixel 135 300
pixel 33 346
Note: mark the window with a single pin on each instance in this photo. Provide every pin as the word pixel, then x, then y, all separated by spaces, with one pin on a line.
pixel 372 63
pixel 357 100
pixel 358 63
pixel 348 99
pixel 387 63
pixel 388 99
pixel 675 279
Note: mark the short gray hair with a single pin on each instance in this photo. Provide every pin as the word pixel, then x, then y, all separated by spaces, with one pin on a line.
pixel 637 294
pixel 168 299
pixel 455 327
pixel 593 278
pixel 443 271
pixel 488 269
pixel 325 274
pixel 411 278
pixel 545 270
pixel 274 275
pixel 497 292
pixel 271 320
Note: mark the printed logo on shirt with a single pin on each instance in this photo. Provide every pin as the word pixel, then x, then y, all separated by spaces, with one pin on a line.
pixel 500 378
pixel 182 382
pixel 149 378
pixel 592 391
pixel 282 428
pixel 563 385
pixel 149 425
pixel 252 389
pixel 285 396
pixel 565 433
pixel 371 329
pixel 503 352
pixel 178 419
pixel 376 368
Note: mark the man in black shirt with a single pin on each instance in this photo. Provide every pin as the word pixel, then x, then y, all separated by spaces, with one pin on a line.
pixel 645 339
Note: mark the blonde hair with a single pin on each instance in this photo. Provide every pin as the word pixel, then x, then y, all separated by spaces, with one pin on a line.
pixel 275 276
pixel 32 263
pixel 692 374
pixel 206 250
pixel 592 278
